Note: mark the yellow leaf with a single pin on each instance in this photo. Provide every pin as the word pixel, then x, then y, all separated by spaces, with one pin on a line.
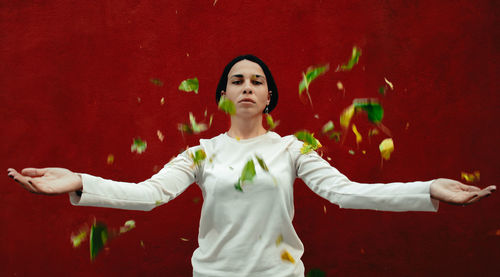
pixel 285 256
pixel 389 83
pixel 471 177
pixel 386 148
pixel 345 117
pixel 111 159
pixel 359 138
pixel 340 86
pixel 279 239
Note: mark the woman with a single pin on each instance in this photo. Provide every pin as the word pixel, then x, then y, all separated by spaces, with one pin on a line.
pixel 246 226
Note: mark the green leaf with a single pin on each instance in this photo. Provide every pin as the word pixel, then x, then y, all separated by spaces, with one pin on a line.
pixel 129 225
pixel 356 53
pixel 189 85
pixel 156 82
pixel 198 156
pixel 311 74
pixel 262 164
pixel 329 126
pixel 372 108
pixel 98 238
pixel 270 122
pixel 193 127
pixel 381 90
pixel 138 145
pixel 227 105
pixel 310 142
pixel 247 175
pixel 79 238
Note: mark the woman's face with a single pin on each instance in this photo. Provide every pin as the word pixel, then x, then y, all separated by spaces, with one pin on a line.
pixel 247 88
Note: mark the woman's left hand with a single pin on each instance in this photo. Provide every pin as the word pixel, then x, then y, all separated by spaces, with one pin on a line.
pixel 454 192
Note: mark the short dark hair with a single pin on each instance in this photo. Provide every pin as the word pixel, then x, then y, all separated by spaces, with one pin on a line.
pixel 271 85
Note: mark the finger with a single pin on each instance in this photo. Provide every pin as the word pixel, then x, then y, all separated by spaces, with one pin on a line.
pixel 491 188
pixel 11 172
pixel 483 193
pixel 25 182
pixel 34 172
pixel 469 188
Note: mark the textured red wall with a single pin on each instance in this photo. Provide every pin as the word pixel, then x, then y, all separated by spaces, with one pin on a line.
pixel 71 75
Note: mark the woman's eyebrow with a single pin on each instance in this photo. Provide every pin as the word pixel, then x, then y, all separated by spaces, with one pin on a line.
pixel 241 76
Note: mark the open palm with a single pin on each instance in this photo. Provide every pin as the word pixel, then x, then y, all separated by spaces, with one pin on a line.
pixel 52 180
pixel 454 192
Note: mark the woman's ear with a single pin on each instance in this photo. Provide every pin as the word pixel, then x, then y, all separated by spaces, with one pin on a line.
pixel 269 97
pixel 222 92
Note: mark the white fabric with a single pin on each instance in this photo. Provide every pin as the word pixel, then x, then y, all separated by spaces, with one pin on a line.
pixel 238 230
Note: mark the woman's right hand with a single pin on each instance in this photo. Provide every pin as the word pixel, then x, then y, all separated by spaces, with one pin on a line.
pixel 50 180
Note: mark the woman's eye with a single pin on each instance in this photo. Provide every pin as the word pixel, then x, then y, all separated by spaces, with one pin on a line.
pixel 257 83
pixel 236 82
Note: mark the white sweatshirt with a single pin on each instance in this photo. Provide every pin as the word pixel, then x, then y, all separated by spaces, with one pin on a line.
pixel 240 231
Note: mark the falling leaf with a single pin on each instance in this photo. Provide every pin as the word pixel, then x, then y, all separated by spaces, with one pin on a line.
pixel 193 127
pixel 142 244
pixel 310 142
pixel 346 116
pixel 184 239
pixel 471 177
pixel 359 138
pixel 138 146
pixel 227 105
pixel 270 122
pixel 162 101
pixel 129 225
pixel 279 240
pixel 324 209
pixel 340 86
pixel 381 90
pixel 79 238
pixel 156 82
pixel 389 83
pixel 196 200
pixel 316 273
pixel 372 132
pixel 386 148
pixel 356 53
pixel 328 158
pixel 158 203
pixel 139 100
pixel 210 121
pixel 198 156
pixel 189 85
pixel 351 152
pixel 371 107
pixel 215 2
pixel 364 152
pixel 110 159
pixel 98 238
pixel 316 116
pixel 407 125
pixel 329 126
pixel 262 163
pixel 285 256
pixel 311 74
pixel 160 135
pixel 247 175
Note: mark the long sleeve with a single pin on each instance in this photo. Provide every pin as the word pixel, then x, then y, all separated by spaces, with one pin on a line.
pixel 332 185
pixel 168 183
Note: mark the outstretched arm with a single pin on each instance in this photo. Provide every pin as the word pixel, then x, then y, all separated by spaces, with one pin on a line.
pixel 454 192
pixel 51 180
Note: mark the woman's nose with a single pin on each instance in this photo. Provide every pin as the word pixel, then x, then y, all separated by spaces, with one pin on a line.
pixel 247 88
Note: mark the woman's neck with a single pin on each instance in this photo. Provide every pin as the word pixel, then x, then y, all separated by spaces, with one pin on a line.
pixel 245 128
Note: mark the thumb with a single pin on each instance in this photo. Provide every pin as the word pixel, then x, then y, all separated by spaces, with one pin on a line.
pixel 34 172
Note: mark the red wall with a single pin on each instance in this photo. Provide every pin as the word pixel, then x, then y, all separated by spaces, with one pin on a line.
pixel 71 76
